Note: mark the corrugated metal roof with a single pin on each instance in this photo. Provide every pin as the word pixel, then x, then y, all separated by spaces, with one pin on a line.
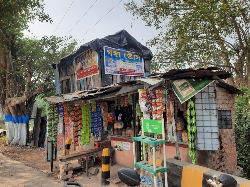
pixel 193 73
pixel 55 99
pixel 128 89
pixel 230 88
pixel 151 81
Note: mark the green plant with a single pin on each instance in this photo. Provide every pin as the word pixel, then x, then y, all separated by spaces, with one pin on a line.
pixel 242 130
pixel 191 120
pixel 3 140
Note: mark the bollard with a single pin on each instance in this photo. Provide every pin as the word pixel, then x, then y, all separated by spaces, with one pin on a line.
pixel 105 166
pixel 67 145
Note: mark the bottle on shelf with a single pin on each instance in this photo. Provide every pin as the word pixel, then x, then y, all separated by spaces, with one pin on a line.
pixel 143 176
pixel 159 180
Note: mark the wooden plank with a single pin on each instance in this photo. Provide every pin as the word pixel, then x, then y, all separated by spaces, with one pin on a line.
pixel 65 78
pixel 82 84
pixel 81 154
pixel 72 83
pixel 118 79
pixel 85 83
pixel 114 79
pixel 64 87
pixel 37 126
pixel 70 70
pixel 78 85
pixel 89 83
pixel 96 81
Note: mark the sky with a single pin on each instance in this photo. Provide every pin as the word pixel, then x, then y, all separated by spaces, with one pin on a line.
pixel 86 20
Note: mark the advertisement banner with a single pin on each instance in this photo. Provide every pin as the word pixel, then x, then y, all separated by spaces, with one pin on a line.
pixel 86 64
pixel 126 146
pixel 187 88
pixel 120 62
pixel 152 126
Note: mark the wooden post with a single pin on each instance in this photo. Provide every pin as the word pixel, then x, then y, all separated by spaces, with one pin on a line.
pixel 37 126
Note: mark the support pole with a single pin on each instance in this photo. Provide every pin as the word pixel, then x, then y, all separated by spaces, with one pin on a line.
pixel 154 166
pixel 134 154
pixel 105 166
pixel 164 154
pixel 51 156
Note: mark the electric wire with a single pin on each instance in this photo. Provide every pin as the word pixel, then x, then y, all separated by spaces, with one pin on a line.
pixel 101 18
pixel 63 17
pixel 81 17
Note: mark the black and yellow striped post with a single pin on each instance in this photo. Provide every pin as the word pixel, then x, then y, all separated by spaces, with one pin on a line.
pixel 105 166
pixel 67 145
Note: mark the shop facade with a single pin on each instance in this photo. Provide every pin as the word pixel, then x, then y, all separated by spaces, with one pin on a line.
pixel 104 90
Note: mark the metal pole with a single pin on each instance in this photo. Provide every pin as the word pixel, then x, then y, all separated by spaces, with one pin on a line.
pixel 51 156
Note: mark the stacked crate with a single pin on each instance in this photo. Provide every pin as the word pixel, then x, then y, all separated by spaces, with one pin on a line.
pixel 66 170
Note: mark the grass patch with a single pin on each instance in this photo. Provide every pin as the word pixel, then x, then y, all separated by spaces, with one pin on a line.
pixel 3 140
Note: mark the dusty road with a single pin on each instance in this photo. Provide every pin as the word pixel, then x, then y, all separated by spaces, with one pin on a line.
pixel 14 173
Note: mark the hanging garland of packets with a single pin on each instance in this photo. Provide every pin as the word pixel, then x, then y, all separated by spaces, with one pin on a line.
pixel 86 124
pixel 104 113
pixel 52 120
pixel 191 127
pixel 67 121
pixel 76 117
pixel 96 121
pixel 152 103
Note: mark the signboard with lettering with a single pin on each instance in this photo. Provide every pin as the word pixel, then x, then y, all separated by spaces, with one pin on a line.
pixel 121 62
pixel 126 146
pixel 152 126
pixel 187 88
pixel 86 64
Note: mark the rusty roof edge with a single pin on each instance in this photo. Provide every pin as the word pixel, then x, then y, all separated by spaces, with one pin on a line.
pixel 230 88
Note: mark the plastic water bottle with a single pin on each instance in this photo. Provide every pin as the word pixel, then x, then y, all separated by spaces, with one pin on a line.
pixel 143 177
pixel 149 181
pixel 159 180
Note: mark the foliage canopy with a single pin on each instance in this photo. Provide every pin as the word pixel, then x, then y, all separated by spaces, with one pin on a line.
pixel 25 63
pixel 242 130
pixel 198 33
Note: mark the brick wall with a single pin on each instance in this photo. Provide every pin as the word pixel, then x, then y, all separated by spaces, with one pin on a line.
pixel 225 160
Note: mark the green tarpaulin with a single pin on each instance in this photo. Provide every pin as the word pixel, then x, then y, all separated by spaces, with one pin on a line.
pixel 187 88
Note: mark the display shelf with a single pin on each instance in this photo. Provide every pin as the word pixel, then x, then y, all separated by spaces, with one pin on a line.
pixel 156 127
pixel 149 167
pixel 152 141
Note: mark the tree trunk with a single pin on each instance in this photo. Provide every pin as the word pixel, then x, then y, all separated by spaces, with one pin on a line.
pixel 16 121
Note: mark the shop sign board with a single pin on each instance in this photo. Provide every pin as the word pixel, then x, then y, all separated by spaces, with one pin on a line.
pixel 86 64
pixel 126 146
pixel 118 146
pixel 187 88
pixel 121 62
pixel 152 126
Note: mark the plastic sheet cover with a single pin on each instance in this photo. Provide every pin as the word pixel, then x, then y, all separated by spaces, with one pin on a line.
pixel 119 40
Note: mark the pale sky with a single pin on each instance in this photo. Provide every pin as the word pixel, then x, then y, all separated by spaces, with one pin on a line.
pixel 113 22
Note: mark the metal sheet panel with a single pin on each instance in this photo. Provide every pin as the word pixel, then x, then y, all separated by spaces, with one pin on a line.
pixel 206 119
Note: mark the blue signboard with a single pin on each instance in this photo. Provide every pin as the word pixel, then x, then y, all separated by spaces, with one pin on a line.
pixel 121 62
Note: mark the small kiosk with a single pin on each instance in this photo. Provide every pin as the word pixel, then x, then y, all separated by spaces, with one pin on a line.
pixel 151 165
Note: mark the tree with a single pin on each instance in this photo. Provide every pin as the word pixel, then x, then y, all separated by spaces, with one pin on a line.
pixel 199 33
pixel 25 64
pixel 242 130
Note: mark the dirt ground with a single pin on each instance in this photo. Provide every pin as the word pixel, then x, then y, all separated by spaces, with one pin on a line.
pixel 30 162
pixel 30 156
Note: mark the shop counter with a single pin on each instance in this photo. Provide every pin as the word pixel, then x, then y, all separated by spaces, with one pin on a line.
pixel 171 151
pixel 123 150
